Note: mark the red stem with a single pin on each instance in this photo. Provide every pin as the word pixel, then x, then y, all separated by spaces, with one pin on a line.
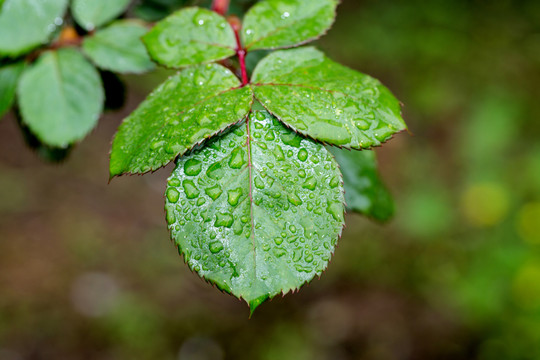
pixel 240 51
pixel 220 6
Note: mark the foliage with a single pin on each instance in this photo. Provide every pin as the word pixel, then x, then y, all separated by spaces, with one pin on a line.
pixel 257 209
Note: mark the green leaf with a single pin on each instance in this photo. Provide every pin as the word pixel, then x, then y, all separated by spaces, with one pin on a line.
pixel 119 48
pixel 325 100
pixel 91 14
pixel 276 24
pixel 191 106
pixel 61 97
pixel 9 75
pixel 364 190
pixel 189 37
pixel 25 24
pixel 258 211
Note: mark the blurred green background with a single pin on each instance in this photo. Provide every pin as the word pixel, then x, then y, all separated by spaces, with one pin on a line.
pixel 87 270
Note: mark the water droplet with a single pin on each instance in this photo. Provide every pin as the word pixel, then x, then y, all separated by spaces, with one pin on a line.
pixel 174 182
pixel 190 189
pixel 294 199
pixel 336 210
pixel 234 196
pixel 214 192
pixel 215 171
pixel 237 158
pixel 302 155
pixel 302 173
pixel 334 182
pixel 58 21
pixel 173 195
pixel 278 153
pixel 279 252
pixel 259 183
pixel 215 247
pixel 174 148
pixel 292 228
pixel 192 167
pixel 269 136
pixel 310 183
pixel 278 241
pixel 285 15
pixel 201 201
pixel 224 220
pixel 260 116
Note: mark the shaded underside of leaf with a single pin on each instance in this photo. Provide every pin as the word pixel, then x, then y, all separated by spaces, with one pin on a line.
pixel 26 24
pixel 119 48
pixel 61 97
pixel 9 75
pixel 91 14
pixel 191 106
pixel 365 192
pixel 325 100
pixel 258 211
pixel 273 24
pixel 191 36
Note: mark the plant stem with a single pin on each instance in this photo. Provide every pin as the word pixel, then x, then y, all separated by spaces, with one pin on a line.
pixel 220 6
pixel 240 51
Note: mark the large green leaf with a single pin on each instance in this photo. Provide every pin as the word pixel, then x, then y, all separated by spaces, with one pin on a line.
pixel 25 24
pixel 61 97
pixel 9 75
pixel 191 36
pixel 364 190
pixel 275 24
pixel 91 14
pixel 325 100
pixel 191 106
pixel 119 48
pixel 258 211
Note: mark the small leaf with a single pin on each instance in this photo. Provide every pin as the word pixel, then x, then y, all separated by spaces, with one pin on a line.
pixel 191 106
pixel 189 37
pixel 325 100
pixel 61 97
pixel 91 14
pixel 258 211
pixel 9 75
pixel 273 24
pixel 119 48
pixel 26 24
pixel 364 190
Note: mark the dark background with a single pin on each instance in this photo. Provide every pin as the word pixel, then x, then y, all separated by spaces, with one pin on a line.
pixel 87 270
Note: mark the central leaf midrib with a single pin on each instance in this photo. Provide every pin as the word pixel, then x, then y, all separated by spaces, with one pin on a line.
pixel 250 194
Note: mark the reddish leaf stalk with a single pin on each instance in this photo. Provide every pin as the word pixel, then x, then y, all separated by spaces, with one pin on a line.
pixel 220 6
pixel 240 51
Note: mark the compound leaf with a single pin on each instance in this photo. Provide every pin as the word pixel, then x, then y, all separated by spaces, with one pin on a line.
pixel 365 192
pixel 25 24
pixel 325 100
pixel 273 24
pixel 9 75
pixel 91 14
pixel 191 106
pixel 119 48
pixel 61 97
pixel 189 37
pixel 258 211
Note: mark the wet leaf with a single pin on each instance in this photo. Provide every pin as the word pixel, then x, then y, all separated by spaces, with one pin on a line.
pixel 365 192
pixel 191 106
pixel 273 24
pixel 325 100
pixel 190 36
pixel 258 211
pixel 61 97
pixel 9 76
pixel 91 14
pixel 119 48
pixel 26 24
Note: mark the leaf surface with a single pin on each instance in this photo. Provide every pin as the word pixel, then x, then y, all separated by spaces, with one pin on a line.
pixel 61 97
pixel 273 24
pixel 258 211
pixel 191 36
pixel 119 48
pixel 365 192
pixel 26 24
pixel 9 75
pixel 191 106
pixel 325 100
pixel 91 14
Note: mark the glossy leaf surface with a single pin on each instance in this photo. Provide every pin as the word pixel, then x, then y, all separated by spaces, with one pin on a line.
pixel 91 14
pixel 191 36
pixel 26 24
pixel 365 192
pixel 9 75
pixel 273 24
pixel 325 100
pixel 191 106
pixel 119 48
pixel 61 97
pixel 258 211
